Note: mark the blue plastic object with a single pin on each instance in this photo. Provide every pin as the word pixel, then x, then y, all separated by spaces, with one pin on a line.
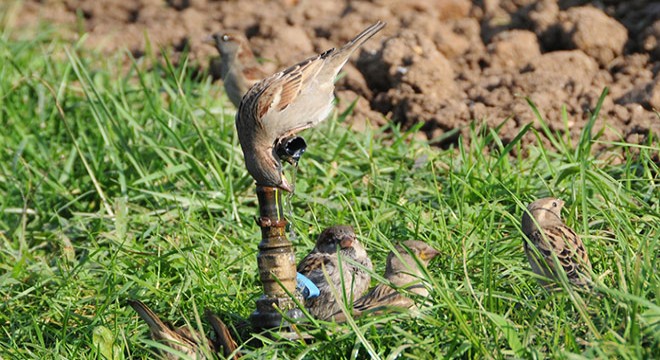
pixel 306 287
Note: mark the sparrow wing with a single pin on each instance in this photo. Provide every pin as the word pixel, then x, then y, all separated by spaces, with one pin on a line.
pixel 567 246
pixel 188 334
pixel 312 266
pixel 314 262
pixel 180 339
pixel 223 337
pixel 313 78
pixel 250 66
pixel 278 92
pixel 380 297
pixel 156 325
pixel 253 74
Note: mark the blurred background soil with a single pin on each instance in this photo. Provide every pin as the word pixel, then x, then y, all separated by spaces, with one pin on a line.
pixel 444 63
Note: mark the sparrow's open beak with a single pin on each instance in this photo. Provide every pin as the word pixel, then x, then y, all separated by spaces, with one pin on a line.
pixel 347 242
pixel 429 254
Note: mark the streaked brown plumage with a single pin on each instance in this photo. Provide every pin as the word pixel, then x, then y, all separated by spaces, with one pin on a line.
pixel 324 256
pixel 182 339
pixel 286 103
pixel 543 227
pixel 223 338
pixel 238 66
pixel 403 272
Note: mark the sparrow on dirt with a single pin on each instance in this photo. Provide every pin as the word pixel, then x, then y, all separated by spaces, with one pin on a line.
pixel 183 339
pixel 547 233
pixel 239 68
pixel 402 271
pixel 329 260
pixel 281 105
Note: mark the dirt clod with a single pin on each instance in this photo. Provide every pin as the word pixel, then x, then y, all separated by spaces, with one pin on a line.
pixel 592 31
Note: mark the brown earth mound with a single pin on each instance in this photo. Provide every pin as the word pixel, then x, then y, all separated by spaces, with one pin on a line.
pixel 443 62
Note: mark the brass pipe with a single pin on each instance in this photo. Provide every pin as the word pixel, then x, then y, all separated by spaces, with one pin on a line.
pixel 277 263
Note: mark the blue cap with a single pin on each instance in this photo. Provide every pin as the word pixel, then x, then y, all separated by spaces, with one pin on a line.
pixel 306 287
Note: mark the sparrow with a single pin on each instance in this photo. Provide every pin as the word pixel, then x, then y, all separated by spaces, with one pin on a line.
pixel 286 103
pixel 402 271
pixel 334 247
pixel 223 340
pixel 183 339
pixel 544 229
pixel 239 68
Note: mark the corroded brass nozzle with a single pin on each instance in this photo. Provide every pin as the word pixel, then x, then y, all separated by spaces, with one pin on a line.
pixel 276 261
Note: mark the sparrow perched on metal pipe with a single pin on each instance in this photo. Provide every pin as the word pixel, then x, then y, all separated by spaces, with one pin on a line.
pixel 239 68
pixel 334 247
pixel 183 339
pixel 548 235
pixel 403 272
pixel 286 103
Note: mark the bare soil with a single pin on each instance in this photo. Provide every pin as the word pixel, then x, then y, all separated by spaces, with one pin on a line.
pixel 445 63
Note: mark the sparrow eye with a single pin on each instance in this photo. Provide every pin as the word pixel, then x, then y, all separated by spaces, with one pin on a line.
pixel 554 204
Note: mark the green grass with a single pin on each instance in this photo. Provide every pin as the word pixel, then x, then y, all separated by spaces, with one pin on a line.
pixel 128 182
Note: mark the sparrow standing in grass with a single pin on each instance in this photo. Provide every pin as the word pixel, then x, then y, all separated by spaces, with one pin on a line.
pixel 335 244
pixel 286 103
pixel 403 272
pixel 544 229
pixel 183 339
pixel 238 66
